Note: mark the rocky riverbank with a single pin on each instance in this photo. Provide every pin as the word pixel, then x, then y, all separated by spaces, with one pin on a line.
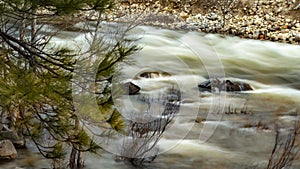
pixel 275 20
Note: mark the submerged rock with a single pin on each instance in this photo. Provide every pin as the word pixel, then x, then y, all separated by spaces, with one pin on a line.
pixel 7 150
pixel 151 75
pixel 225 85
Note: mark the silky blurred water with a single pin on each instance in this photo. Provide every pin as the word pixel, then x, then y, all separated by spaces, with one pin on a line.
pixel 273 69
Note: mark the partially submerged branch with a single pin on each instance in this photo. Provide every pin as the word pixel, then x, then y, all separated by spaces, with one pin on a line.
pixel 146 130
pixel 286 147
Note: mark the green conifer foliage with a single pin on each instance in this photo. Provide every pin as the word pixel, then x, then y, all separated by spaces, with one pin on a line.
pixel 36 77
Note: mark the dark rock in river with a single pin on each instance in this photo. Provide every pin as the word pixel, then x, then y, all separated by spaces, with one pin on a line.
pixel 205 86
pixel 7 150
pixel 225 85
pixel 131 89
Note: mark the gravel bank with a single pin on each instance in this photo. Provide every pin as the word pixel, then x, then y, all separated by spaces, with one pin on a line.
pixel 275 20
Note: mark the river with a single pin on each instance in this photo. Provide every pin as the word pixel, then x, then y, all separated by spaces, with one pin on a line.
pixel 225 139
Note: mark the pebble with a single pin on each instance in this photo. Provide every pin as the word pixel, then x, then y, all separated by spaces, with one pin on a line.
pixel 183 15
pixel 267 17
pixel 297 38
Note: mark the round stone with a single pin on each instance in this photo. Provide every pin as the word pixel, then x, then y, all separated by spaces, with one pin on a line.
pixel 297 38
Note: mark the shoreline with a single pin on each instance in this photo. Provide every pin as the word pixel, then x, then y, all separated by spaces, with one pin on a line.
pixel 271 20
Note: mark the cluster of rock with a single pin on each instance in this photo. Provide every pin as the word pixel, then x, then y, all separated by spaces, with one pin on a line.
pixel 9 141
pixel 210 85
pixel 216 85
pixel 276 20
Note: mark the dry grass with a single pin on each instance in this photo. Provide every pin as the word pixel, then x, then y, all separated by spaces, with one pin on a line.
pixel 258 125
pixel 233 110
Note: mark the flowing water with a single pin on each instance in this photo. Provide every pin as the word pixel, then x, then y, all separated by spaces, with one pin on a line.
pixel 224 138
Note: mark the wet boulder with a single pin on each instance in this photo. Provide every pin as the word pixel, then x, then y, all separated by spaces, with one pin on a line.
pixel 205 86
pixel 237 86
pixel 131 88
pixel 7 150
pixel 224 85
